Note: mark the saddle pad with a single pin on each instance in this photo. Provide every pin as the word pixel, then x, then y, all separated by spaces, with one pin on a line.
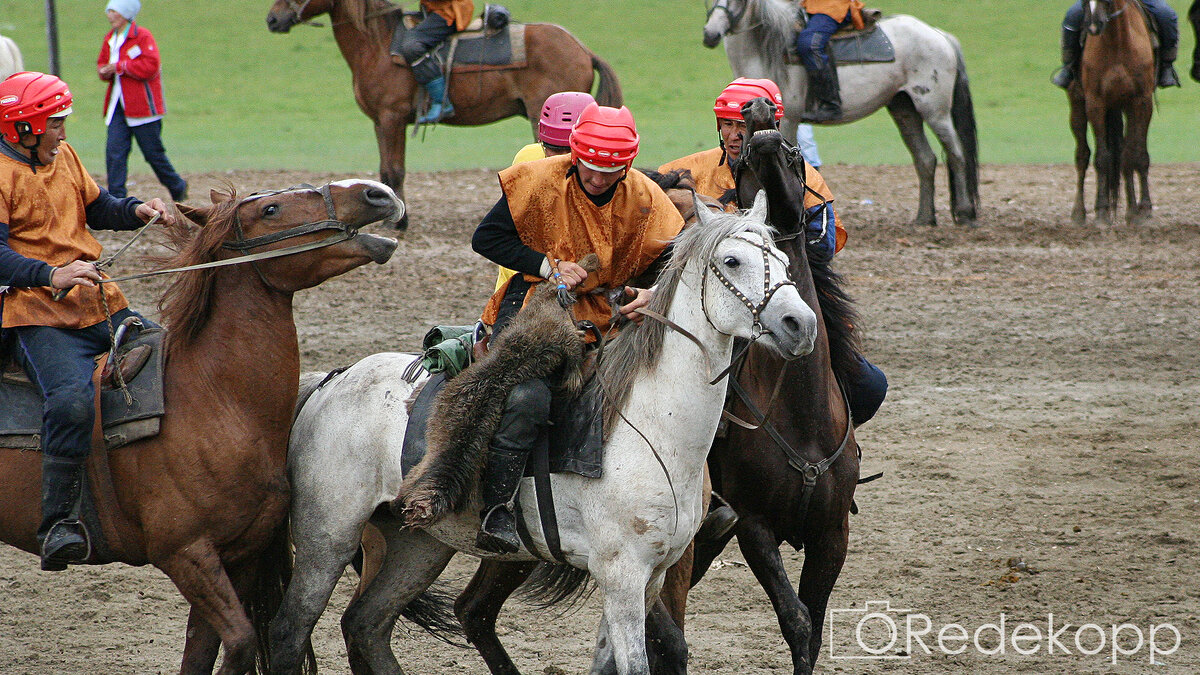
pixel 865 46
pixel 21 404
pixel 476 50
pixel 576 432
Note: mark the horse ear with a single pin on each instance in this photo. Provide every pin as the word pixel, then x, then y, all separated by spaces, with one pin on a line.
pixel 196 214
pixel 219 197
pixel 703 215
pixel 759 210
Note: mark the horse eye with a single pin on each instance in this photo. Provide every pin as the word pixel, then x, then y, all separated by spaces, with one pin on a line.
pixel 270 209
pixel 731 261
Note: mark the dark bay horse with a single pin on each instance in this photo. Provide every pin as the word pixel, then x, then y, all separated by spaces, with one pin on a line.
pixel 204 501
pixel 1114 94
pixel 387 93
pixel 1194 18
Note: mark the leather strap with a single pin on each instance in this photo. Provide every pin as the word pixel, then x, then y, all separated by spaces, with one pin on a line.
pixel 545 501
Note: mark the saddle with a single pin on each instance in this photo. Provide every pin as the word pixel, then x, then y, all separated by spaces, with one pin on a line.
pixel 487 43
pixel 851 44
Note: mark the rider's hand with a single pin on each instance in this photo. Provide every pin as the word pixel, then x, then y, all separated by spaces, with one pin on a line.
pixel 146 211
pixel 569 274
pixel 78 273
pixel 641 298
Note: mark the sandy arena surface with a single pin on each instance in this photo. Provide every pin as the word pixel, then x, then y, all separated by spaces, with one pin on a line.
pixel 1039 442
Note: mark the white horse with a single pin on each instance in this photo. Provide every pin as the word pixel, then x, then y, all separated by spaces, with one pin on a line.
pixel 10 58
pixel 926 83
pixel 726 279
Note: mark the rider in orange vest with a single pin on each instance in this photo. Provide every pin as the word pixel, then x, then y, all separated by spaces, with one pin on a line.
pixel 443 18
pixel 552 213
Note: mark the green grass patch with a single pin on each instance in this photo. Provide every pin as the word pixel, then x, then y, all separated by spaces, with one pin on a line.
pixel 242 98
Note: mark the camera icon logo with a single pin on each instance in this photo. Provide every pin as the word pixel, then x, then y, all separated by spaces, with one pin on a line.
pixel 874 632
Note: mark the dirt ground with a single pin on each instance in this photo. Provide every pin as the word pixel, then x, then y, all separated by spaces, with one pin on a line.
pixel 1040 445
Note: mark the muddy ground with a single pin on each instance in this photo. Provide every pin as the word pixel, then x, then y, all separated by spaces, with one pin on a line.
pixel 1040 443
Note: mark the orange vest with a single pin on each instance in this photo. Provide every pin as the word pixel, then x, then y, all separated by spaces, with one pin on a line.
pixel 47 222
pixel 713 178
pixel 554 216
pixel 457 13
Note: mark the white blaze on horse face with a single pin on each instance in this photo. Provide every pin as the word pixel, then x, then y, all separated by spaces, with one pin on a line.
pixel 389 192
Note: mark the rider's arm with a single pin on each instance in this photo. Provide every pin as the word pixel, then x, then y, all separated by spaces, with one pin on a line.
pixel 18 271
pixel 497 239
pixel 106 212
pixel 818 217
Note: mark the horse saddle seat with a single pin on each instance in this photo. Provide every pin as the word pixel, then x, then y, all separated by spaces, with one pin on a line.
pixel 140 363
pixel 852 45
pixel 576 430
pixel 478 48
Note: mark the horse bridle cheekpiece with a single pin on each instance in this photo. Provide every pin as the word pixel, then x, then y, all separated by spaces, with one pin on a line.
pixel 723 5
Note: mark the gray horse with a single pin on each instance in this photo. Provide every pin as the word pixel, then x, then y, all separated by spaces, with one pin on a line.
pixel 927 83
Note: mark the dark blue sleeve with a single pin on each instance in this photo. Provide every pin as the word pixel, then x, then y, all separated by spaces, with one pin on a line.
pixel 822 229
pixel 17 270
pixel 497 239
pixel 106 212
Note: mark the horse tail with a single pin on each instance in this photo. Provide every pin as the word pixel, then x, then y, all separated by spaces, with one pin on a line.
pixel 609 92
pixel 962 114
pixel 551 584
pixel 433 611
pixel 271 582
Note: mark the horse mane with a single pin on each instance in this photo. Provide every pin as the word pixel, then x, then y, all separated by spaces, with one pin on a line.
pixel 638 346
pixel 187 303
pixel 840 316
pixel 774 33
pixel 359 11
pixel 675 179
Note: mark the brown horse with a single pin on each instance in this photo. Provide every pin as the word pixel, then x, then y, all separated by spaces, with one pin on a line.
pixel 1114 93
pixel 1194 19
pixel 387 93
pixel 205 499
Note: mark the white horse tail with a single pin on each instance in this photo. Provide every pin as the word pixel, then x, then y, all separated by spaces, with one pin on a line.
pixel 962 114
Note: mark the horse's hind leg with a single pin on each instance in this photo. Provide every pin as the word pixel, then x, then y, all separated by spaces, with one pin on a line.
pixel 1136 160
pixel 962 207
pixel 201 645
pixel 1083 155
pixel 908 121
pixel 413 562
pixel 760 547
pixel 479 605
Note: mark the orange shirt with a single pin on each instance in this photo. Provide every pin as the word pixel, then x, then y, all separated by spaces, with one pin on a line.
pixel 457 13
pixel 554 216
pixel 47 222
pixel 713 178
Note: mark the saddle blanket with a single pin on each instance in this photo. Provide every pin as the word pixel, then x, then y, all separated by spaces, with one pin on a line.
pixel 576 431
pixel 863 46
pixel 475 50
pixel 123 423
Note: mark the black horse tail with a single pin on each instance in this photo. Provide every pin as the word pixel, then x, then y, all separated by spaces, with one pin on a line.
pixel 433 611
pixel 608 93
pixel 962 114
pixel 551 584
pixel 274 575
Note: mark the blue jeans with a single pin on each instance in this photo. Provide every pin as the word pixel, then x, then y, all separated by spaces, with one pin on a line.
pixel 866 390
pixel 811 42
pixel 1168 28
pixel 60 361
pixel 808 145
pixel 149 140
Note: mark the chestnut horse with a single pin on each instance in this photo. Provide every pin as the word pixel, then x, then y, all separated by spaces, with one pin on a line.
pixel 1114 93
pixel 206 499
pixel 387 93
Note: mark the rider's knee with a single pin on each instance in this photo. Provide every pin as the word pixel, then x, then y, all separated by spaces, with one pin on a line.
pixel 531 397
pixel 71 407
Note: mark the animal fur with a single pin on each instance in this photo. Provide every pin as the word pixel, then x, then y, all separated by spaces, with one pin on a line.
pixel 541 342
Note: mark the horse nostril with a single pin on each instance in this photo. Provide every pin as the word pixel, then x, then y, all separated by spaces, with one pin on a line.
pixel 792 325
pixel 377 197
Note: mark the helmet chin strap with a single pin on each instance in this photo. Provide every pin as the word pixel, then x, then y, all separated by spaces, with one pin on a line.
pixel 34 159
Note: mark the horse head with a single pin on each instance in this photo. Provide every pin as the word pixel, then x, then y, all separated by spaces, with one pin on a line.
pixel 287 13
pixel 746 290
pixel 768 162
pixel 723 17
pixel 1097 14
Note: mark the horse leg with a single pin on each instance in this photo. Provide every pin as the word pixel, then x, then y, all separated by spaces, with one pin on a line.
pixel 823 560
pixel 200 577
pixel 908 121
pixel 961 208
pixel 201 645
pixel 1103 162
pixel 479 604
pixel 413 562
pixel 1083 154
pixel 624 584
pixel 1136 159
pixel 761 550
pixel 391 134
pixel 667 648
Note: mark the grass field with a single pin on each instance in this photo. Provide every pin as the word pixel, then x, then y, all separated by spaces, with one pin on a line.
pixel 240 97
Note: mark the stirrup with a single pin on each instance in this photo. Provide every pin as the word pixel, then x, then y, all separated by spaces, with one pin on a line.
pixel 498 531
pixel 76 548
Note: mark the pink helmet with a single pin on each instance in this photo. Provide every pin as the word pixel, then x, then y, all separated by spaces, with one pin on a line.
pixel 27 100
pixel 559 114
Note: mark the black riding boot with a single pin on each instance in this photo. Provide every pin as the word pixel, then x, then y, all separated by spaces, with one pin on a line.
pixel 62 536
pixel 826 94
pixel 1071 51
pixel 1167 77
pixel 720 520
pixel 522 429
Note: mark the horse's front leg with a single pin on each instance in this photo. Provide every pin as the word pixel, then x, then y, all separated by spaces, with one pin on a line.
pixel 761 550
pixel 824 556
pixel 391 128
pixel 1135 159
pixel 624 580
pixel 479 605
pixel 908 121
pixel 1083 155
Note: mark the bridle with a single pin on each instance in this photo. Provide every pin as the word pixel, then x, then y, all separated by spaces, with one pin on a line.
pixel 1109 14
pixel 734 18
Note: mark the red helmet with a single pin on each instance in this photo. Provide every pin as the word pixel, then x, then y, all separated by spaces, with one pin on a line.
pixel 743 90
pixel 604 138
pixel 27 100
pixel 559 114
